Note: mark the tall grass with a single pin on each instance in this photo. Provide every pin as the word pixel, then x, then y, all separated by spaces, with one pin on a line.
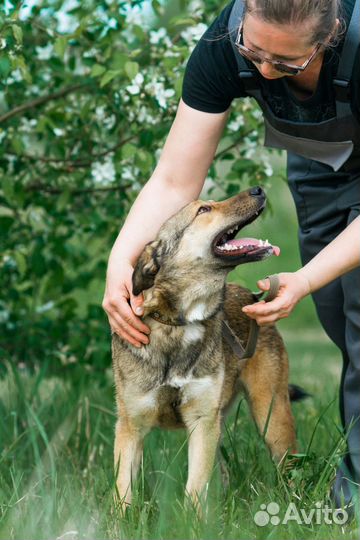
pixel 56 474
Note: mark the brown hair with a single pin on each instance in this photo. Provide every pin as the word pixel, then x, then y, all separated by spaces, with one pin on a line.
pixel 323 13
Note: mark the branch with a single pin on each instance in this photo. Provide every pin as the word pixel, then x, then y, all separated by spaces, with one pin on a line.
pixel 39 101
pixel 234 144
pixel 76 163
pixel 39 186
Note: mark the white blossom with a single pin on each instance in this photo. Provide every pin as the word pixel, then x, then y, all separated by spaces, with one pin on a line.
pixel 257 113
pixel 136 15
pixel 268 170
pixel 45 307
pixel 103 172
pixel 90 53
pixel 196 7
pixel 45 53
pixel 3 43
pixel 162 95
pixel 157 35
pixel 109 122
pixel 144 117
pixel 26 125
pixel 127 173
pixel 59 132
pixel 193 33
pixel 236 123
pixel 157 89
pixel 4 315
pixel 135 87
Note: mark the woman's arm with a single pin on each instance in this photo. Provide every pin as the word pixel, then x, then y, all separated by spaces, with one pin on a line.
pixel 177 180
pixel 337 258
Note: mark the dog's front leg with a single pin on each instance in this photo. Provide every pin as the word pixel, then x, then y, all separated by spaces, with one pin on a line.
pixel 204 435
pixel 127 457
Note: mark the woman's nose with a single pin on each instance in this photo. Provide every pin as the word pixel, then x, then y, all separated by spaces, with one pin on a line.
pixel 267 70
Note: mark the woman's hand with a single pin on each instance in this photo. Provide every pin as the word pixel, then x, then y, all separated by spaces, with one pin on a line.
pixel 293 287
pixel 121 305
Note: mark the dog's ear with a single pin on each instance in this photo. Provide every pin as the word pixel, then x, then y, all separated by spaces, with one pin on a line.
pixel 147 266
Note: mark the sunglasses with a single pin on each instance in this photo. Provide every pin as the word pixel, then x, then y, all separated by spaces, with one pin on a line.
pixel 283 67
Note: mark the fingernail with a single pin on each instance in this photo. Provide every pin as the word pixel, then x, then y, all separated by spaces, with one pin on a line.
pixel 139 311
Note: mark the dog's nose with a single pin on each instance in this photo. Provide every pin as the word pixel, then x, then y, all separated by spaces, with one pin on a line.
pixel 257 191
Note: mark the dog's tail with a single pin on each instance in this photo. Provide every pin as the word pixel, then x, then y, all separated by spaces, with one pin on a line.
pixel 296 393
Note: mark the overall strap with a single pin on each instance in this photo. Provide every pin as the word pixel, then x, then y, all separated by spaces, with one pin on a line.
pixel 246 74
pixel 343 76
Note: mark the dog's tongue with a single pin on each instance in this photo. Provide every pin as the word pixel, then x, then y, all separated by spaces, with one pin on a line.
pixel 249 244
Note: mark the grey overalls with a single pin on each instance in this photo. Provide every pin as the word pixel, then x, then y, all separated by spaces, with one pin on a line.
pixel 324 179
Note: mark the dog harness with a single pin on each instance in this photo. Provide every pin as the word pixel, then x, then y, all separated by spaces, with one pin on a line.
pixel 231 338
pixel 249 350
pixel 331 141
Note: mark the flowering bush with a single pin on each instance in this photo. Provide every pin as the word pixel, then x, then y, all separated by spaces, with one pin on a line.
pixel 88 93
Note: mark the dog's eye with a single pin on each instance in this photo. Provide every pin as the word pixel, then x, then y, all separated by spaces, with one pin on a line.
pixel 203 209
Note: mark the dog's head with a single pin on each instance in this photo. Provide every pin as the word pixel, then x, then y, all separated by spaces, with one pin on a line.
pixel 202 236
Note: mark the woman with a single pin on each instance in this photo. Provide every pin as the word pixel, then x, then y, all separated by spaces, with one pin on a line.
pixel 299 59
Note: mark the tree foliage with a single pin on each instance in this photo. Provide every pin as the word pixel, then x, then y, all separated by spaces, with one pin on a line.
pixel 87 95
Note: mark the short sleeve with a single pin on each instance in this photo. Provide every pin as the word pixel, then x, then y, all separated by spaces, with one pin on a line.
pixel 211 80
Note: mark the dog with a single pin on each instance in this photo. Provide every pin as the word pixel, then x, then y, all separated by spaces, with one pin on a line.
pixel 188 375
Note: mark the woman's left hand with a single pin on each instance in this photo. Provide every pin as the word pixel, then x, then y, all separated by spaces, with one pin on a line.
pixel 293 287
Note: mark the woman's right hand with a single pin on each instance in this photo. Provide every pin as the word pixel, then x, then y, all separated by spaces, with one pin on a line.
pixel 121 305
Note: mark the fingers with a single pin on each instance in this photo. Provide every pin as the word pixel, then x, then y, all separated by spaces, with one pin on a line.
pixel 268 312
pixel 264 284
pixel 136 303
pixel 125 323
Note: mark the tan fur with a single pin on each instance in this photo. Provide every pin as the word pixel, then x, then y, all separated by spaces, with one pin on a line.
pixel 188 376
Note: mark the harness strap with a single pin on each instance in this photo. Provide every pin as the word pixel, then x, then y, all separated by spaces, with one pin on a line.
pixel 245 73
pixel 248 351
pixel 348 55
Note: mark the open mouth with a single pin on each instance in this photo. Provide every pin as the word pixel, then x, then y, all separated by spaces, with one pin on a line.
pixel 241 250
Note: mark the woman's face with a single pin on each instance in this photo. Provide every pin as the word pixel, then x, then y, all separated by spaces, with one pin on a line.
pixel 287 43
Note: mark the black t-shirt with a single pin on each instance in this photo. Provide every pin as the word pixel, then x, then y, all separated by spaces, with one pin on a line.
pixel 211 79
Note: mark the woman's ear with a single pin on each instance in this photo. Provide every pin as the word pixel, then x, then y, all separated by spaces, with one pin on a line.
pixel 333 35
pixel 147 266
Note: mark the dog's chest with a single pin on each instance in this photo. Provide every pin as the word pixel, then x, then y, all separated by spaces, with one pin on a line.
pixel 174 357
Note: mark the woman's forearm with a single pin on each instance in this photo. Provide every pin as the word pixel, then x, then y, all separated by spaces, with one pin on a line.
pixel 158 200
pixel 337 258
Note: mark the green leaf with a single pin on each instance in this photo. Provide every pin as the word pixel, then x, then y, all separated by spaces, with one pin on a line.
pixel 97 70
pixel 6 212
pixel 118 61
pixel 131 69
pixel 18 33
pixel 60 46
pixel 7 188
pixel 157 7
pixel 20 262
pixel 63 200
pixel 17 144
pixel 19 62
pixel 128 151
pixel 5 66
pixel 109 76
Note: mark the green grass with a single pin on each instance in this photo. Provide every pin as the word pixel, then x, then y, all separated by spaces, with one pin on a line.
pixel 56 477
